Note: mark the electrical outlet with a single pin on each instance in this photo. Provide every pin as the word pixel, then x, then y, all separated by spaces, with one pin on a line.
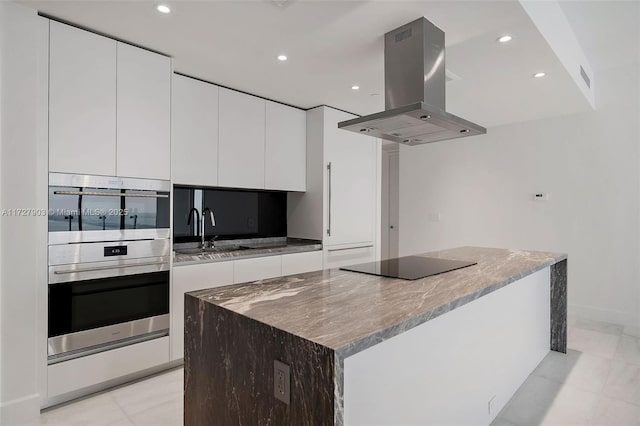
pixel 492 404
pixel 281 381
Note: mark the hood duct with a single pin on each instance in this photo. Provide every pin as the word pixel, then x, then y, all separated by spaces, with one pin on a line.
pixel 415 79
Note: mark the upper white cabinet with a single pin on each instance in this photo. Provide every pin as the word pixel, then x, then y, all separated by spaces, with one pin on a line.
pixel 351 183
pixel 195 132
pixel 241 140
pixel 82 102
pixel 143 113
pixel 109 106
pixel 285 148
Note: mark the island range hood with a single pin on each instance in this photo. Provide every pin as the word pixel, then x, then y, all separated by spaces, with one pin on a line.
pixel 414 73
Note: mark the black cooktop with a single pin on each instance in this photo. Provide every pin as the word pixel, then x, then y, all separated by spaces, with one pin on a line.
pixel 409 267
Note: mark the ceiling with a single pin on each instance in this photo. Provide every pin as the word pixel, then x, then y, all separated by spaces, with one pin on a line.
pixel 333 45
pixel 608 31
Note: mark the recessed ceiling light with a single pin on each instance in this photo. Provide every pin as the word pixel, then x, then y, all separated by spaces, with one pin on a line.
pixel 355 87
pixel 163 8
pixel 539 74
pixel 282 58
pixel 505 39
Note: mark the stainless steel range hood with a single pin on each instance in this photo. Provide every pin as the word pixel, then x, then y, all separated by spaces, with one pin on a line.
pixel 414 73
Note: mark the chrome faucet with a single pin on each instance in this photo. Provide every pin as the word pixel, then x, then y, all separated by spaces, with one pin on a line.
pixel 213 223
pixel 191 212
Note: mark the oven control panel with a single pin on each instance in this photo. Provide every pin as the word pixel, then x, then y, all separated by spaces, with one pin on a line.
pixel 115 251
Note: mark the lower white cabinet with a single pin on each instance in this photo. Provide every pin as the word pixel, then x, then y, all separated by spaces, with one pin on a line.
pixel 200 276
pixel 191 278
pixel 338 257
pixel 259 268
pixel 69 376
pixel 298 263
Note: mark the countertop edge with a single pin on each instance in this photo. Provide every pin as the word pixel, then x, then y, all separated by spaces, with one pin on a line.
pixel 302 249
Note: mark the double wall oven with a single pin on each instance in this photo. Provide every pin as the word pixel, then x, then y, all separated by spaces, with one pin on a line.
pixel 109 257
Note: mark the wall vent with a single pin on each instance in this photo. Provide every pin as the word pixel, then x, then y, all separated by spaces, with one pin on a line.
pixel 585 77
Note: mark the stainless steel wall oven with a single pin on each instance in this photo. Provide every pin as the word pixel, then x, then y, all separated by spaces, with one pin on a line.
pixel 109 257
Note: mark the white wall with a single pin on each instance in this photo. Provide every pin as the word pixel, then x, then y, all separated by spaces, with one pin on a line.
pixel 588 163
pixel 18 158
pixel 445 371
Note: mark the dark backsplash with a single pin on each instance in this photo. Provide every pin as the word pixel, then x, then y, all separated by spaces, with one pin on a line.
pixel 238 213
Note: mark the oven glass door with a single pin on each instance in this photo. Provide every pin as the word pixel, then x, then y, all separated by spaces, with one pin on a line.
pixel 84 305
pixel 100 209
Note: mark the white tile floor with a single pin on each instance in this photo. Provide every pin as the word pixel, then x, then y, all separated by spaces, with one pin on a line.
pixel 596 383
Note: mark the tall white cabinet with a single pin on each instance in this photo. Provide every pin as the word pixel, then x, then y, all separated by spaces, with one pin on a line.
pixel 342 203
pixel 109 106
pixel 82 101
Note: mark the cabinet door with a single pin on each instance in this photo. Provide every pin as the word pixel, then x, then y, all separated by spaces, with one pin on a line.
pixel 144 114
pixel 194 146
pixel 337 258
pixel 298 263
pixel 241 140
pixel 285 148
pixel 259 268
pixel 191 278
pixel 351 183
pixel 82 102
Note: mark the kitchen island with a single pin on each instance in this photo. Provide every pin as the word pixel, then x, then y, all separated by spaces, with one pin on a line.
pixel 364 349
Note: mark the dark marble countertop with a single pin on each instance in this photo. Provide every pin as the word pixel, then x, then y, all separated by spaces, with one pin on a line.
pixel 349 312
pixel 246 249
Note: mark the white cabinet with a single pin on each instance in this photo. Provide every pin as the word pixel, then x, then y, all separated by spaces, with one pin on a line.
pixel 195 132
pixel 336 258
pixel 351 183
pixel 285 148
pixel 191 278
pixel 82 102
pixel 259 268
pixel 298 263
pixel 143 113
pixel 91 370
pixel 109 106
pixel 241 140
pixel 201 276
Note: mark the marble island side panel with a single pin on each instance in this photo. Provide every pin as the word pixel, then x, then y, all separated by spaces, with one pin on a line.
pixel 229 372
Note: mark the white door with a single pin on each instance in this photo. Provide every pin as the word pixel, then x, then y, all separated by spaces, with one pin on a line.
pixel 350 198
pixel 82 102
pixel 241 140
pixel 194 146
pixel 285 148
pixel 144 114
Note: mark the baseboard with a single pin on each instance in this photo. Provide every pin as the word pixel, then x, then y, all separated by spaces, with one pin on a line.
pixel 628 319
pixel 20 411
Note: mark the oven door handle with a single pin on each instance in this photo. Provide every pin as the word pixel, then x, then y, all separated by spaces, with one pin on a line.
pixel 103 268
pixel 110 194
